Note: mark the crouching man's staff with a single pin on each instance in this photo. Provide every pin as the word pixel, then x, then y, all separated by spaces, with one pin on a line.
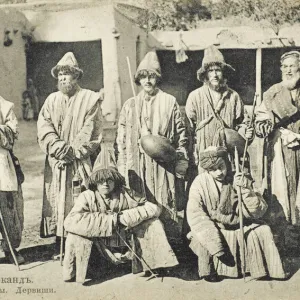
pixel 8 241
pixel 141 259
pixel 240 206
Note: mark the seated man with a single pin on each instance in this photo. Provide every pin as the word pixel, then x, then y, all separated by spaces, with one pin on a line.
pixel 101 215
pixel 212 213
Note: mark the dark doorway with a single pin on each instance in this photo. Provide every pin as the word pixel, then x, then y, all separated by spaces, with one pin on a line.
pixel 43 56
pixel 180 79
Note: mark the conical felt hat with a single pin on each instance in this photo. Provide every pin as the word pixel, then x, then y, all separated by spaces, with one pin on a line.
pixel 212 55
pixel 150 63
pixel 67 60
pixel 105 159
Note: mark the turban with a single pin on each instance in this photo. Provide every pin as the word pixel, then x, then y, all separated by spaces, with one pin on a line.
pixel 210 156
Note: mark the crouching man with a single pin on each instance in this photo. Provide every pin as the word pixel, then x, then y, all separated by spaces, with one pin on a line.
pixel 105 212
pixel 213 217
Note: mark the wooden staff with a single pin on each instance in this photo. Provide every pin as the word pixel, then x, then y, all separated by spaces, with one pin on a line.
pixel 141 259
pixel 240 206
pixel 62 195
pixel 250 124
pixel 133 92
pixel 8 241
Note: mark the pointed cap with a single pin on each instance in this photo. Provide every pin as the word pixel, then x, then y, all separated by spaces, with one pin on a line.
pixel 105 159
pixel 150 63
pixel 68 60
pixel 212 55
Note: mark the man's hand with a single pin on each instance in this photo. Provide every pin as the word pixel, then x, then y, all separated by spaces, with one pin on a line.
pixel 240 180
pixel 249 133
pixel 70 155
pixel 61 164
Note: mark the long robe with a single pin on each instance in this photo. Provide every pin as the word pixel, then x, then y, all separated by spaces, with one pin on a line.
pixel 281 163
pixel 65 122
pixel 154 181
pixel 95 218
pixel 205 128
pixel 11 198
pixel 211 235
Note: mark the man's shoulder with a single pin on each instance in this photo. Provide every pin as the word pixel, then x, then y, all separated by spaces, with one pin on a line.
pixel 54 96
pixel 87 195
pixel 233 92
pixel 274 89
pixel 129 103
pixel 89 92
pixel 196 92
pixel 6 102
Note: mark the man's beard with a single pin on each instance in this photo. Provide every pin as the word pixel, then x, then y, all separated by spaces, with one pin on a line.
pixel 222 86
pixel 67 88
pixel 291 83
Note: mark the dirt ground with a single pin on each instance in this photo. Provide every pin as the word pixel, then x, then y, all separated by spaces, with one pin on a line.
pixel 41 278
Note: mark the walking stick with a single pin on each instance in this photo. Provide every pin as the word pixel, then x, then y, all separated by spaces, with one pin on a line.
pixel 240 206
pixel 237 168
pixel 141 259
pixel 8 241
pixel 250 124
pixel 62 194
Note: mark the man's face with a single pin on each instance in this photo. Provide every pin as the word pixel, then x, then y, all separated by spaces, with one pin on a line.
pixel 66 82
pixel 106 187
pixel 215 76
pixel 148 83
pixel 290 68
pixel 219 172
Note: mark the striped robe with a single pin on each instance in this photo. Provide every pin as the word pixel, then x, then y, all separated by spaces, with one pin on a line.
pixel 205 129
pixel 210 237
pixel 156 182
pixel 64 122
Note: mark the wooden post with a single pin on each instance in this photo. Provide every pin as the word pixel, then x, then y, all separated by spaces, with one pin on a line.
pixel 258 75
pixel 258 142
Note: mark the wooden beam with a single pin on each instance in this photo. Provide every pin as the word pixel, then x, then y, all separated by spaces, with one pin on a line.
pixel 258 88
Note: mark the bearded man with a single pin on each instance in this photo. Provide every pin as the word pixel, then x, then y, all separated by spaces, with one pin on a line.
pixel 69 132
pixel 214 106
pixel 278 121
pixel 152 112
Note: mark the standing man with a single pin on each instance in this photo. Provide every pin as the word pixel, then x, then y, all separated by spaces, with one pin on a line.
pixel 213 104
pixel 278 121
pixel 69 132
pixel 152 112
pixel 11 198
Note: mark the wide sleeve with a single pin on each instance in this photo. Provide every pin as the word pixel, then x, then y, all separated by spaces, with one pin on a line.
pixel 180 132
pixel 202 226
pixel 134 216
pixel 191 114
pixel 48 137
pixel 9 131
pixel 82 221
pixel 88 140
pixel 121 140
pixel 264 121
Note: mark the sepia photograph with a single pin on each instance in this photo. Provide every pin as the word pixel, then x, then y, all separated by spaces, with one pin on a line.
pixel 150 149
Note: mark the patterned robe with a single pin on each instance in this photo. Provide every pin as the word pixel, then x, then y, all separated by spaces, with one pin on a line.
pixel 211 235
pixel 93 219
pixel 156 182
pixel 205 128
pixel 281 162
pixel 65 122
pixel 11 198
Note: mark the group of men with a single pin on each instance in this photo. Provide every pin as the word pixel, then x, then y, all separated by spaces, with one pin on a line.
pixel 157 150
